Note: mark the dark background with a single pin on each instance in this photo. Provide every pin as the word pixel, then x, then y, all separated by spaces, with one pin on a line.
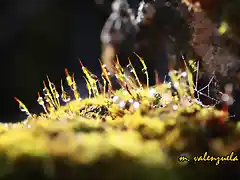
pixel 39 37
pixel 42 37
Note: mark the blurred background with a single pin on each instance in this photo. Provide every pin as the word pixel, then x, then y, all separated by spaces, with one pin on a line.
pixel 42 37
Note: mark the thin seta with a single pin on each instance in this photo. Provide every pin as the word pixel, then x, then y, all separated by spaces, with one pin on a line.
pixel 51 98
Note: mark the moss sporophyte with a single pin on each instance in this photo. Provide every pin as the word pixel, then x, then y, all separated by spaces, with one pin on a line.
pixel 142 129
pixel 179 91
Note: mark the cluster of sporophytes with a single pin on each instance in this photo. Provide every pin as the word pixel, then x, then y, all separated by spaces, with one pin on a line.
pixel 137 132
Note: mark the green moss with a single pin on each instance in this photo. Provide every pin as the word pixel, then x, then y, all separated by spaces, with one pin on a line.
pixel 137 136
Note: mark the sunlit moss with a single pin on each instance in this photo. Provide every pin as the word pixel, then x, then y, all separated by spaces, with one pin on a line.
pixel 134 132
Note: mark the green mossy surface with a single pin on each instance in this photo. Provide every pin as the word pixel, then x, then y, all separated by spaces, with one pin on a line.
pixel 132 133
pixel 97 139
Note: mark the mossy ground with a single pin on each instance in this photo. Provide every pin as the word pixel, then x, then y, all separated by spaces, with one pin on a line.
pixel 132 133
pixel 104 138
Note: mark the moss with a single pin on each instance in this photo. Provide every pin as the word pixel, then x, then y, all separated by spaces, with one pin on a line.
pixel 132 134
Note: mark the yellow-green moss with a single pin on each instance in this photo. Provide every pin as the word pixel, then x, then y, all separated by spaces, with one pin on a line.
pixel 138 136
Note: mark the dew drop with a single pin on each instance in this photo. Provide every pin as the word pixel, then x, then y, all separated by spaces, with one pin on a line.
pixel 122 104
pixel 136 105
